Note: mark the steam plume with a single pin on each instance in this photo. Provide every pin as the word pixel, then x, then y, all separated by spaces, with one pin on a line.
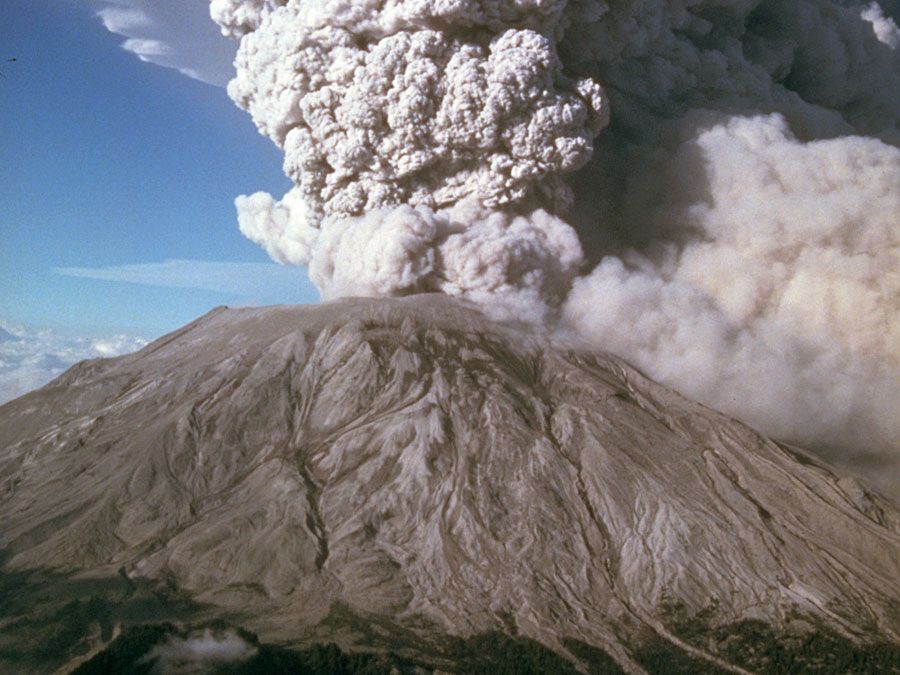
pixel 729 166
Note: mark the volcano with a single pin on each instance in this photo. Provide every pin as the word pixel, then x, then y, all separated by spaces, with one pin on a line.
pixel 406 477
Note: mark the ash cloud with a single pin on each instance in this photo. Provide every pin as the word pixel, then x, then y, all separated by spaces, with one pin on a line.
pixel 708 188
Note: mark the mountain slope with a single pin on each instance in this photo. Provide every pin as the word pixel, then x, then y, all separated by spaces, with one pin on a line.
pixel 302 470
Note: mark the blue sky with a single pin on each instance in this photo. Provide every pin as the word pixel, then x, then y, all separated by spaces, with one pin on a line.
pixel 110 168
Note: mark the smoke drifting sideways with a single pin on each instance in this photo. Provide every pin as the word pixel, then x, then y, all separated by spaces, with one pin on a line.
pixel 707 188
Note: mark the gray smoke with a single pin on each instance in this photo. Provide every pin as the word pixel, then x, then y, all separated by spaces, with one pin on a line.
pixel 708 188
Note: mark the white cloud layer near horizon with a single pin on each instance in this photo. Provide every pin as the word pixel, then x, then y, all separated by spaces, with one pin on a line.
pixel 30 358
pixel 174 34
pixel 260 282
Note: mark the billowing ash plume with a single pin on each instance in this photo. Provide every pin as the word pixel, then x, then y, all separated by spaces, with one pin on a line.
pixel 709 188
pixel 430 136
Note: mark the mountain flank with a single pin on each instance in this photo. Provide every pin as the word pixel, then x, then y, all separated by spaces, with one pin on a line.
pixel 406 477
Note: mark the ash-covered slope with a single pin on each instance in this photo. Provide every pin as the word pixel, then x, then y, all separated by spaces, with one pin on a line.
pixel 382 473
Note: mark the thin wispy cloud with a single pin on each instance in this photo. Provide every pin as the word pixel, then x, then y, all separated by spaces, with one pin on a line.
pixel 258 281
pixel 173 34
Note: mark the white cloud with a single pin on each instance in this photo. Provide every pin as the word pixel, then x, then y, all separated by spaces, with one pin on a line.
pixel 146 50
pixel 263 282
pixel 885 27
pixel 199 652
pixel 31 358
pixel 121 20
pixel 171 33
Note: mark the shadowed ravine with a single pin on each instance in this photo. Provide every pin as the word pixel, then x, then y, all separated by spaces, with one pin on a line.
pixel 406 477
